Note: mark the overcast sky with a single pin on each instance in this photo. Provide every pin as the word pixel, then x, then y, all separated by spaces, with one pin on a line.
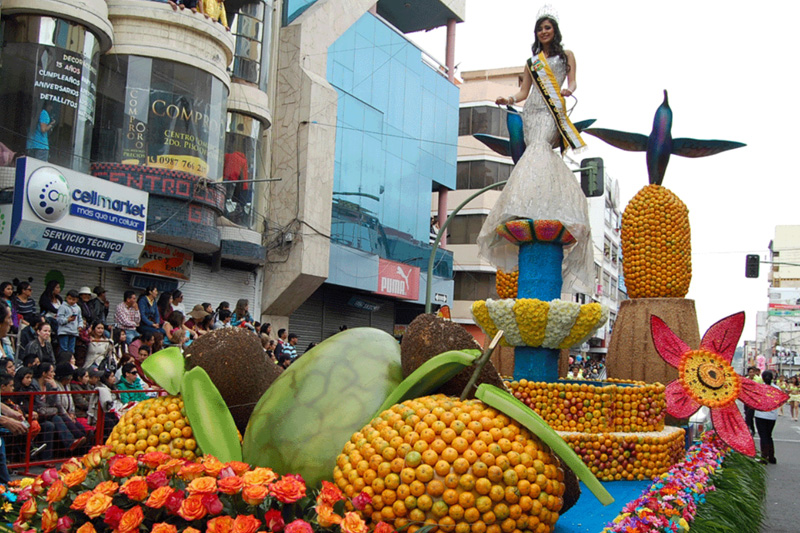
pixel 729 69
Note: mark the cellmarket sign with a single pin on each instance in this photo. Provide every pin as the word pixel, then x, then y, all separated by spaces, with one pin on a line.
pixel 53 204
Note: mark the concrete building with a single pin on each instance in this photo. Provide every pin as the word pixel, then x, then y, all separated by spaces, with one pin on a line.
pixel 479 166
pixel 297 148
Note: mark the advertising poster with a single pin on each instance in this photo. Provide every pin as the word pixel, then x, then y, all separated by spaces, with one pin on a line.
pixel 398 280
pixel 62 211
pixel 165 261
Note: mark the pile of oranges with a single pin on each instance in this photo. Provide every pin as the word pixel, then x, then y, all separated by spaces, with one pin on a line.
pixel 656 245
pixel 605 407
pixel 615 457
pixel 457 466
pixel 158 424
pixel 507 283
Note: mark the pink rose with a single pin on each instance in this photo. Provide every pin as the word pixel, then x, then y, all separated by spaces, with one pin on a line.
pixel 49 476
pixel 361 501
pixel 157 479
pixel 113 516
pixel 174 501
pixel 65 523
pixel 212 504
pixel 298 526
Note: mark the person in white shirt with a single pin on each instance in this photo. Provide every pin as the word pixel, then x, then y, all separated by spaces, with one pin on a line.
pixel 177 302
pixel 765 423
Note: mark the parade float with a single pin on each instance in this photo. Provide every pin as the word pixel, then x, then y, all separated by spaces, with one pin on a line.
pixel 354 438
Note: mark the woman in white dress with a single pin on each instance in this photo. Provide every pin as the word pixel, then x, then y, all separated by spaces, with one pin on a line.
pixel 541 186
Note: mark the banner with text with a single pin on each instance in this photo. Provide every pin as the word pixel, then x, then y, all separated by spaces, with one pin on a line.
pixel 59 210
pixel 398 280
pixel 165 261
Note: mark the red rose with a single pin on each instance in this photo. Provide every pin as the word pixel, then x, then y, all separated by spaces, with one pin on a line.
pixel 383 527
pixel 123 466
pixel 212 504
pixel 361 501
pixel 246 524
pixel 174 501
pixel 113 516
pixel 157 479
pixel 298 526
pixel 274 520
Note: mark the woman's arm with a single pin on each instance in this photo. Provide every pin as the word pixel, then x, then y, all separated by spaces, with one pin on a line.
pixel 572 84
pixel 521 94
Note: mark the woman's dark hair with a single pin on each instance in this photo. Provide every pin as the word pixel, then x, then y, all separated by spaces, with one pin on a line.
pixel 40 324
pixel 42 369
pixel 149 289
pixel 94 326
pixel 128 367
pixel 158 342
pixel 21 286
pixel 240 307
pixel 223 305
pixel 264 328
pixel 767 376
pixel 225 313
pixel 164 304
pixel 78 373
pixel 64 357
pixel 128 294
pixel 176 319
pixel 20 375
pixel 47 293
pixel 104 380
pixel 29 359
pixel 556 49
pixel 207 322
pixel 4 312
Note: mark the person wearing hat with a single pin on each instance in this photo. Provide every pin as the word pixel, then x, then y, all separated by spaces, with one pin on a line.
pixel 84 295
pixel 196 315
pixel 99 305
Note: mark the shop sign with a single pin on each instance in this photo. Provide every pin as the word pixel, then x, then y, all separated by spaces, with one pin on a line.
pixel 364 305
pixel 783 310
pixel 63 211
pixel 6 211
pixel 165 261
pixel 398 280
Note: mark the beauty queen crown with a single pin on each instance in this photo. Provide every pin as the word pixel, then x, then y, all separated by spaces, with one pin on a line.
pixel 547 10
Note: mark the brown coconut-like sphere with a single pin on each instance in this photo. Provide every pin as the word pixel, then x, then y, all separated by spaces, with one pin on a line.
pixel 429 335
pixel 237 364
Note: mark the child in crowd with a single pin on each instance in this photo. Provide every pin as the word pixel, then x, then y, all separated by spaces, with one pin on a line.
pixel 68 322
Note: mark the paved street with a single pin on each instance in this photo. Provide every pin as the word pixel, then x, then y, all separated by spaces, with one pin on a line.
pixel 783 479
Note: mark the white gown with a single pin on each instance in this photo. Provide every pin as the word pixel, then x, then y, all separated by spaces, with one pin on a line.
pixel 542 187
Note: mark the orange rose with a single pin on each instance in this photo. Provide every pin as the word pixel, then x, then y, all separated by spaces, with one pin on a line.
pixel 212 465
pixel 383 527
pixel 238 467
pixel 326 516
pixel 246 524
pixel 135 488
pixel 94 458
pixel 158 497
pixel 74 478
pixel 27 510
pixel 189 471
pixel 163 527
pixel 353 523
pixel 57 491
pixel 109 488
pixel 220 524
pixel 170 467
pixel 153 459
pixel 330 494
pixel 254 494
pixel 80 500
pixel 259 476
pixel 202 485
pixel 86 528
pixel 192 508
pixel 131 520
pixel 288 489
pixel 49 520
pixel 123 466
pixel 230 485
pixel 97 505
pixel 71 465
pixel 191 530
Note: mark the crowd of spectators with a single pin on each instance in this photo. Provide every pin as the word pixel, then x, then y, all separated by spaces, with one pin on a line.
pixel 79 341
pixel 583 366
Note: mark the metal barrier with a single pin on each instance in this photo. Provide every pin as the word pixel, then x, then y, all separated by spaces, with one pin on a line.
pixel 48 447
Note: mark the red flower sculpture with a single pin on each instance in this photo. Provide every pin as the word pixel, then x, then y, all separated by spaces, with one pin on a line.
pixel 707 378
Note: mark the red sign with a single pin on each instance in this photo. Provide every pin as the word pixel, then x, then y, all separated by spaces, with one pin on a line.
pixel 398 280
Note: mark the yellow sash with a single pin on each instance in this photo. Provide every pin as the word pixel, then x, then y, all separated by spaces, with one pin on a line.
pixel 550 90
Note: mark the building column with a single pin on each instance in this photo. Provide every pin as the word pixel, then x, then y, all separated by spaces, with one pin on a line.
pixel 450 50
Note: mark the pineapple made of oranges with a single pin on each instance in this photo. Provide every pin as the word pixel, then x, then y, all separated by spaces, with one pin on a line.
pixel 158 424
pixel 656 245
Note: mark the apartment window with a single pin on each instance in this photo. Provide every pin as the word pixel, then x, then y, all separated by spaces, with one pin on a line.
pixel 607 248
pixel 479 174
pixel 612 289
pixel 464 229
pixel 614 254
pixel 482 119
pixel 474 286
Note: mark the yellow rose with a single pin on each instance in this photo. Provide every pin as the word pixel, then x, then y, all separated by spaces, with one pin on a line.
pixel 97 504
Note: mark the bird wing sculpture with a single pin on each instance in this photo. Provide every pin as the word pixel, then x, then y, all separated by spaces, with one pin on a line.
pixel 659 145
pixel 514 146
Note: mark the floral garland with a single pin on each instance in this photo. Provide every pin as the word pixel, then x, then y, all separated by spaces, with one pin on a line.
pixel 670 503
pixel 104 492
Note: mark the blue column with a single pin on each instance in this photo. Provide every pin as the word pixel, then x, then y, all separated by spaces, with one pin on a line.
pixel 540 278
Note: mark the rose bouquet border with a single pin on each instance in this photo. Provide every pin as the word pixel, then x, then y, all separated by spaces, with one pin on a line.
pixel 105 492
pixel 670 503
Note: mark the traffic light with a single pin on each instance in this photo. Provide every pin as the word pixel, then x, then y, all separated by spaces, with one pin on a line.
pixel 751 266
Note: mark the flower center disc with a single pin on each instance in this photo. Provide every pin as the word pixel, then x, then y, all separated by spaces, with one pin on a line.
pixel 711 375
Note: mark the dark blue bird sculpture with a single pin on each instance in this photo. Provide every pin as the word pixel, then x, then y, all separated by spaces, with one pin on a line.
pixel 514 146
pixel 660 144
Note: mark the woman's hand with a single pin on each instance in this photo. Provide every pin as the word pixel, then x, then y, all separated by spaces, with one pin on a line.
pixel 566 92
pixel 501 100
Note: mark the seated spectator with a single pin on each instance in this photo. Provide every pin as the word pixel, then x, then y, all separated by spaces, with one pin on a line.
pixel 222 306
pixel 23 382
pixel 50 299
pixel 66 402
pixel 41 346
pixel 143 353
pixel 130 382
pixel 69 321
pixel 15 444
pixel 104 401
pixel 177 302
pixel 196 315
pixel 79 383
pixel 204 326
pixel 66 358
pixel 241 315
pixel 29 332
pixel 12 422
pixel 8 366
pixel 31 361
pixel 176 333
pixel 148 310
pixel 146 340
pixel 67 431
pixel 224 320
pixel 164 306
pixel 127 316
pixel 100 347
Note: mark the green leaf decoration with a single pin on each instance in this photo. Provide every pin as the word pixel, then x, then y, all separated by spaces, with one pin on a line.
pixel 211 421
pixel 431 375
pixel 507 404
pixel 166 367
